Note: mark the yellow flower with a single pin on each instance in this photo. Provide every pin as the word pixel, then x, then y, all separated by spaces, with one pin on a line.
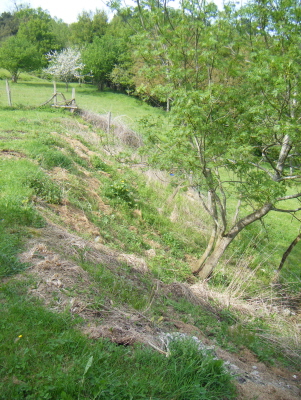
pixel 20 336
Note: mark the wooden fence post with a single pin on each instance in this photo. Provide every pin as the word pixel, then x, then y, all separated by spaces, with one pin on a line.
pixel 109 122
pixel 8 93
pixel 54 93
pixel 73 97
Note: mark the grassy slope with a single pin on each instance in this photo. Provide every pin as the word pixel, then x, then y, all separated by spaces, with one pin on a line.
pixel 30 152
pixel 282 229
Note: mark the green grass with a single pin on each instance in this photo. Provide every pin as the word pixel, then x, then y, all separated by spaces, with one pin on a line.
pixel 16 212
pixel 34 93
pixel 43 356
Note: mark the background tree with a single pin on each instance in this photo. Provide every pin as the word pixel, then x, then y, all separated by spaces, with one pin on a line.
pixel 18 55
pixel 65 65
pixel 89 25
pixel 100 57
pixel 122 28
pixel 9 25
pixel 61 33
pixel 36 27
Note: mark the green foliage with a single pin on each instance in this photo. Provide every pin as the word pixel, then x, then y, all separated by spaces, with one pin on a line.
pixel 44 187
pixel 18 54
pixel 240 138
pixel 8 25
pixel 99 164
pixel 36 27
pixel 88 26
pixel 123 192
pixel 100 57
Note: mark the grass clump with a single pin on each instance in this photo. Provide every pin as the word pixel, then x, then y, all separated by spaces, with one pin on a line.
pixel 99 164
pixel 10 244
pixel 121 192
pixel 54 158
pixel 44 187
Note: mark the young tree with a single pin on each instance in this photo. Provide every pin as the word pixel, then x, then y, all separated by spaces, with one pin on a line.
pixel 18 55
pixel 236 108
pixel 65 65
pixel 100 58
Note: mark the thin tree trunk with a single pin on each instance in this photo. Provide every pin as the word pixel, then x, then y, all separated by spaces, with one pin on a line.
pixel 207 251
pixel 8 92
pixel 221 245
pixel 288 251
pixel 214 257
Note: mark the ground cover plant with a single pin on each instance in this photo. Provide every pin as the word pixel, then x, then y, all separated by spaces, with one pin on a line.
pixel 58 168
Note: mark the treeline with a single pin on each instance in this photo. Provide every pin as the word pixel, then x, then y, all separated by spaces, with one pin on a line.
pixel 28 36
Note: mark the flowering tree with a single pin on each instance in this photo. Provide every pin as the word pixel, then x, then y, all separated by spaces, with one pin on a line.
pixel 65 65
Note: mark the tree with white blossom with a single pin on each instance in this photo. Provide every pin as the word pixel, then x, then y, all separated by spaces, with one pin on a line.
pixel 65 65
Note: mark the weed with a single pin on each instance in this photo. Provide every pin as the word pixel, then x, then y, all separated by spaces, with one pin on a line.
pixel 99 164
pixel 123 192
pixel 44 187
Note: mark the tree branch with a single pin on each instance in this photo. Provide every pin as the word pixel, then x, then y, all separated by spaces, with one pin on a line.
pixel 286 211
pixel 290 196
